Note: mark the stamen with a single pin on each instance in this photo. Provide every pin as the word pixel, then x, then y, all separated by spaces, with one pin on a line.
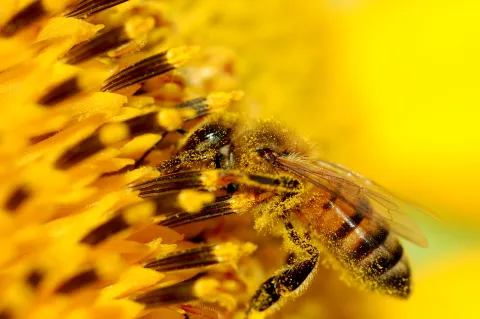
pixel 147 68
pixel 103 137
pixel 123 219
pixel 221 207
pixel 111 133
pixel 99 44
pixel 86 8
pixel 42 137
pixel 169 182
pixel 178 293
pixel 212 103
pixel 166 204
pixel 201 257
pixel 198 104
pixel 5 314
pixel 81 151
pixel 191 258
pixel 82 279
pixel 28 15
pixel 17 198
pixel 62 91
pixel 34 278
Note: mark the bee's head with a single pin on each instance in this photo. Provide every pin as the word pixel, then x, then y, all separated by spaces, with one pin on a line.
pixel 268 155
pixel 262 142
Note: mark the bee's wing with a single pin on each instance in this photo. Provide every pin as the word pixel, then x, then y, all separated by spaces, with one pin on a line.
pixel 353 186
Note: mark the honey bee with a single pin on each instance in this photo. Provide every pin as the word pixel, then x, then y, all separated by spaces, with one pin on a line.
pixel 319 206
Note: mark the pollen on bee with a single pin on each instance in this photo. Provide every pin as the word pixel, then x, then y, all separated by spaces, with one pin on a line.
pixel 193 201
pixel 243 202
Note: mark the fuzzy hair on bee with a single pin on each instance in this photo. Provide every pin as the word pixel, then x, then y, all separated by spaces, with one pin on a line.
pixel 314 206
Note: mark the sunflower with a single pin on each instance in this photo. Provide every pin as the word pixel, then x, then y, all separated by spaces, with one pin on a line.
pixel 92 92
pixel 90 89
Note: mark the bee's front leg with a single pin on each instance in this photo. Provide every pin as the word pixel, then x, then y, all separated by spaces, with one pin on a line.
pixel 288 282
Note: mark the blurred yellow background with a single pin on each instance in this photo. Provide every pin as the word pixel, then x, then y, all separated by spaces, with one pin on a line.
pixel 389 88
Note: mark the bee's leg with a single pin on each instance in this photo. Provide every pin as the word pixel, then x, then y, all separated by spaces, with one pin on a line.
pixel 283 285
pixel 289 281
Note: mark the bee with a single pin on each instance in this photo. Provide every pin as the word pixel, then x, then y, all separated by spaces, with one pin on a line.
pixel 318 206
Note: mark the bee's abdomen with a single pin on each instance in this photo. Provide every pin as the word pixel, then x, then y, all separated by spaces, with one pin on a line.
pixel 376 255
pixel 361 240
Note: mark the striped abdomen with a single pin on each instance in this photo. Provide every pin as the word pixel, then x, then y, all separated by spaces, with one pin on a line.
pixel 360 240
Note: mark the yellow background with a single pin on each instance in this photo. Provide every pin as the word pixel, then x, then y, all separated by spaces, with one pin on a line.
pixel 388 88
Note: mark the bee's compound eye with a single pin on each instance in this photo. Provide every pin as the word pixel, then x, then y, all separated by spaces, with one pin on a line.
pixel 268 155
